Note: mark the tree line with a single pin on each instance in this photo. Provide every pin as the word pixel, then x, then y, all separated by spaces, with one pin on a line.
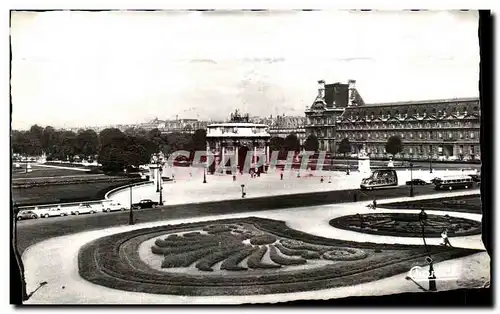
pixel 111 147
pixel 117 150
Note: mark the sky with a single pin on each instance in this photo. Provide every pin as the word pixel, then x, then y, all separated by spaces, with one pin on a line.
pixel 76 69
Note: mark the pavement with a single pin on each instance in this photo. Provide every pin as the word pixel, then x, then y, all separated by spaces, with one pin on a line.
pixel 55 261
pixel 188 186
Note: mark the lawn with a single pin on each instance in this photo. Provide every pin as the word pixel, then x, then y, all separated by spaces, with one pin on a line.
pixel 60 193
pixel 37 171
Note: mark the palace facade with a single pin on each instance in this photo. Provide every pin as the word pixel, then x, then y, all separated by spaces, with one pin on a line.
pixel 446 129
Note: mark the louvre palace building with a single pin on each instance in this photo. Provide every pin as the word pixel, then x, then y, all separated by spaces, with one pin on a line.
pixel 446 129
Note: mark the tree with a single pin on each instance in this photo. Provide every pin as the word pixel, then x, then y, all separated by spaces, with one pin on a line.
pixel 87 143
pixel 48 139
pixel 292 143
pixel 112 159
pixel 112 137
pixel 66 147
pixel 176 141
pixel 344 148
pixel 199 141
pixel 394 145
pixel 311 144
pixel 277 144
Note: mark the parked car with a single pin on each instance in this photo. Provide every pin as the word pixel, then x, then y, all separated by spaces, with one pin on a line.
pixel 145 204
pixel 416 182
pixel 167 179
pixel 55 211
pixel 27 214
pixel 475 177
pixel 84 208
pixel 112 207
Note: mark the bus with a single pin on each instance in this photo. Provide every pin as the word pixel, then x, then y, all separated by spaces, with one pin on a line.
pixel 450 183
pixel 380 179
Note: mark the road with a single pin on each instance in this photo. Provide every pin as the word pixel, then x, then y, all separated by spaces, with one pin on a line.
pixel 30 232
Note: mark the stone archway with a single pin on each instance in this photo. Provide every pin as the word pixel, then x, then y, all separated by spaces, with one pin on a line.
pixel 242 154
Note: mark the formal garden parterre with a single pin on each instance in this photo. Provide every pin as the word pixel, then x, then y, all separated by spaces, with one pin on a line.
pixel 242 256
pixel 407 224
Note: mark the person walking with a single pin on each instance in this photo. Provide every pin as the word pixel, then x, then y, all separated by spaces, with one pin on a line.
pixel 374 204
pixel 444 238
pixel 281 175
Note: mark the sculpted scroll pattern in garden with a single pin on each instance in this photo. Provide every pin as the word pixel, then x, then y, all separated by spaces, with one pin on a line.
pixel 240 247
pixel 241 256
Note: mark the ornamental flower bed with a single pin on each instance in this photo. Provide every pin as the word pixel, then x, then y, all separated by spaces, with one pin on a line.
pixel 113 261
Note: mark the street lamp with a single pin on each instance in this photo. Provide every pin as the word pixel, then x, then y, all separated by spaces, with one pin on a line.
pixel 430 163
pixel 411 179
pixel 131 212
pixel 204 175
pixel 243 191
pixel 422 217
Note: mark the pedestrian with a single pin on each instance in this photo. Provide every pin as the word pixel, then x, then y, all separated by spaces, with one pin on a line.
pixel 444 238
pixel 321 180
pixel 281 175
pixel 234 177
pixel 374 204
pixel 355 197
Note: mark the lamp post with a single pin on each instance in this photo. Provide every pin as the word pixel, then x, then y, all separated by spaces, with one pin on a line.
pixel 243 191
pixel 422 217
pixel 161 186
pixel 131 212
pixel 204 175
pixel 411 179
pixel 430 163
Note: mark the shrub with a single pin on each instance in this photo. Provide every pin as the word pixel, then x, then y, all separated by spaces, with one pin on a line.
pixel 175 250
pixel 292 244
pixel 311 255
pixel 185 259
pixel 262 239
pixel 232 262
pixel 254 261
pixel 212 229
pixel 192 235
pixel 206 263
pixel 352 254
pixel 278 259
pixel 290 252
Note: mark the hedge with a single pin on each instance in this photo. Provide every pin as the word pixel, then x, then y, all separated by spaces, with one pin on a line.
pixel 254 261
pixel 206 263
pixel 231 263
pixel 278 259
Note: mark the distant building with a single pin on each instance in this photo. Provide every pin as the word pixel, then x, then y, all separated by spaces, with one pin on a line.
pixel 282 126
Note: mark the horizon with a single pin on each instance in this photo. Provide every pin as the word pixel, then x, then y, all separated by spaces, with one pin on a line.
pixel 73 69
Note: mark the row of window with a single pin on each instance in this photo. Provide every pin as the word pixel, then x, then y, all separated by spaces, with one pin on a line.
pixel 414 112
pixel 430 135
pixel 418 125
pixel 380 149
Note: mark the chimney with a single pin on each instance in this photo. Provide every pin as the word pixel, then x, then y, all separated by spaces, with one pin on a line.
pixel 321 89
pixel 352 92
